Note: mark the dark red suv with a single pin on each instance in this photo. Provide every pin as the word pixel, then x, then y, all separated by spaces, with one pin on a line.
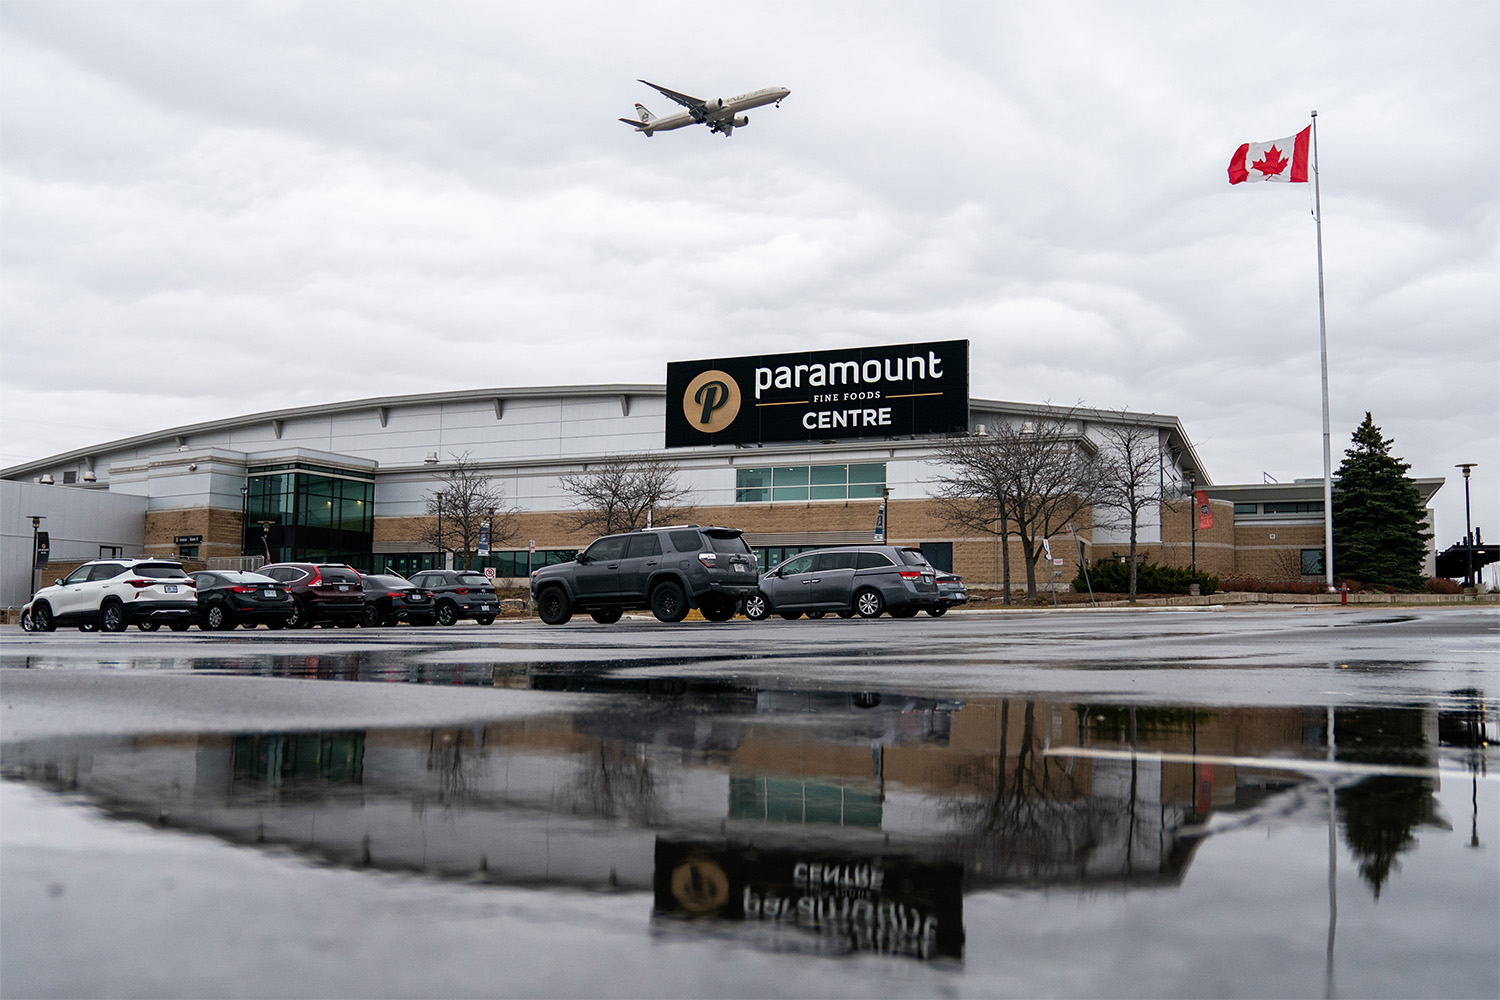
pixel 325 593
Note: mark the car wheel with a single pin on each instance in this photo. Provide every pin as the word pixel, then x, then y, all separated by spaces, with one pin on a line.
pixel 606 616
pixel 148 626
pixel 869 603
pixel 297 617
pixel 905 611
pixel 447 613
pixel 216 619
pixel 815 615
pixel 485 619
pixel 757 607
pixel 937 612
pixel 178 626
pixel 25 621
pixel 552 606
pixel 41 618
pixel 112 617
pixel 372 617
pixel 668 602
pixel 717 611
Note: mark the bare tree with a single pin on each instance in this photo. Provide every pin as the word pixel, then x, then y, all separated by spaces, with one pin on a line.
pixel 462 501
pixel 1131 476
pixel 626 493
pixel 1036 474
pixel 973 494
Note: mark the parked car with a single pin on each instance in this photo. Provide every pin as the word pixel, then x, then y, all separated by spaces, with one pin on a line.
pixel 864 580
pixel 668 570
pixel 230 598
pixel 391 599
pixel 459 593
pixel 113 594
pixel 322 593
pixel 951 593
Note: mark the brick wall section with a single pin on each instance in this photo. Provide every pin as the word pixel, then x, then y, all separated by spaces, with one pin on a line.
pixel 222 531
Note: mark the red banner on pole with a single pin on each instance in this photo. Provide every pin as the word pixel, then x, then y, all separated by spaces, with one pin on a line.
pixel 1205 512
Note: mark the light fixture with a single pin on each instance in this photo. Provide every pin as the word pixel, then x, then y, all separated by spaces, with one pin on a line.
pixel 431 458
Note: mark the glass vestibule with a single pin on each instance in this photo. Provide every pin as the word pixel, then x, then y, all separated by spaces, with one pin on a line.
pixel 298 513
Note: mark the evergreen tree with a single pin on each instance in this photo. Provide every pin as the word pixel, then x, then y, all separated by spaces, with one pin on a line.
pixel 1379 522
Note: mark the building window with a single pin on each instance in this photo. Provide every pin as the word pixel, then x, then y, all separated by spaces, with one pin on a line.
pixel 187 552
pixel 1312 561
pixel 70 477
pixel 865 481
pixel 1245 508
pixel 111 551
pixel 1299 507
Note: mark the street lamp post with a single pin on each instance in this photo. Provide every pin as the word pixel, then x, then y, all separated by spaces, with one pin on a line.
pixel 1193 517
pixel 36 523
pixel 1468 531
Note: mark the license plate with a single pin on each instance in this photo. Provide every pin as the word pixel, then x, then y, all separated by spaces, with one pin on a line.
pixel 268 593
pixel 343 587
pixel 485 607
pixel 739 567
pixel 170 588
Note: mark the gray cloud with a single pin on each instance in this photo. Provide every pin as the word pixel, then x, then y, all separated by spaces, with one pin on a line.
pixel 215 208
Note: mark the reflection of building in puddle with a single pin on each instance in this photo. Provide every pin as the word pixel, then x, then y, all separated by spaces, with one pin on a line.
pixel 1005 789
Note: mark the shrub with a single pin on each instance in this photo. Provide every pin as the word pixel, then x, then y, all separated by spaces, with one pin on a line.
pixel 1113 577
pixel 1442 585
pixel 1255 585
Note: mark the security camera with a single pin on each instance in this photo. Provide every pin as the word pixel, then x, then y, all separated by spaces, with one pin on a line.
pixel 192 466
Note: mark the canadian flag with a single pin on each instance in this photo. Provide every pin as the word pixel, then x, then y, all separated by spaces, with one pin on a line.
pixel 1282 160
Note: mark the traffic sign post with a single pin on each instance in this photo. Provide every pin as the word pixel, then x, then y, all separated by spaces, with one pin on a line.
pixel 530 550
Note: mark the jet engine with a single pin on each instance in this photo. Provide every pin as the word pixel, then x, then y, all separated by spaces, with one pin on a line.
pixel 741 120
pixel 713 104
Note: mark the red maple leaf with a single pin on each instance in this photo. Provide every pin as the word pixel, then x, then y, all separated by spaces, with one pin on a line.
pixel 1271 162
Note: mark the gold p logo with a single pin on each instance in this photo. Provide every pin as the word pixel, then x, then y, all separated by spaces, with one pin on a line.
pixel 712 401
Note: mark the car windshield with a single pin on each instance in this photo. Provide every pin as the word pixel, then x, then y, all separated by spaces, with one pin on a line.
pixel 913 557
pixel 729 544
pixel 235 576
pixel 159 571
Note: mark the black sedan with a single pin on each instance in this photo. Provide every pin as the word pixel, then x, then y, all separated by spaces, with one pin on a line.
pixel 227 598
pixel 390 599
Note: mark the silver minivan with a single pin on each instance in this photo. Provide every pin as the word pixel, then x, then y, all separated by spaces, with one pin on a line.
pixel 862 580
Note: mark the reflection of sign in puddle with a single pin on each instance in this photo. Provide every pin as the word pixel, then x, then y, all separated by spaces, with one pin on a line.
pixel 816 901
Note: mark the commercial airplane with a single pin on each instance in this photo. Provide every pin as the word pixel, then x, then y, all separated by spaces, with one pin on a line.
pixel 719 114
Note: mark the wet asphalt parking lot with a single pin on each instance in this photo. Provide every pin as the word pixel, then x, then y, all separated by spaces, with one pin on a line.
pixel 1197 802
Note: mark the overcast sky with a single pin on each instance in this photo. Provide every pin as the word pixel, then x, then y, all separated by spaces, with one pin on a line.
pixel 211 209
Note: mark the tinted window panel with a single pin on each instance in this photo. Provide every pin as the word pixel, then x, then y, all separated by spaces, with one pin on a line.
pixel 612 547
pixel 872 560
pixel 644 545
pixel 835 560
pixel 802 564
pixel 107 572
pixel 334 575
pixel 912 557
pixel 728 544
pixel 685 541
pixel 473 580
pixel 162 571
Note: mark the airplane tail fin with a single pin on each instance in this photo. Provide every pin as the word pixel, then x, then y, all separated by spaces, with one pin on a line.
pixel 646 116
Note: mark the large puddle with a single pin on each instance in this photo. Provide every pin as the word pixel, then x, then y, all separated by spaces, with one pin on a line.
pixel 1023 845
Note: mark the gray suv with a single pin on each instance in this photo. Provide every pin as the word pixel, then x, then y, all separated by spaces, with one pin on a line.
pixel 863 580
pixel 668 570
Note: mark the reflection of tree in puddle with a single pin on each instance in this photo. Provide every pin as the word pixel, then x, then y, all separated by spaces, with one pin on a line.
pixel 616 781
pixel 1379 815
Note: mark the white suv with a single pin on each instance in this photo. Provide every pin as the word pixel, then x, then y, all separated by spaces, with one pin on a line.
pixel 112 594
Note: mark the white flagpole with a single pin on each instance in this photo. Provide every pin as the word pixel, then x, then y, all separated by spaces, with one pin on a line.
pixel 1323 348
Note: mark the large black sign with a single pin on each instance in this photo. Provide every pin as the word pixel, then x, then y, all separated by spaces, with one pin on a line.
pixel 847 901
pixel 820 395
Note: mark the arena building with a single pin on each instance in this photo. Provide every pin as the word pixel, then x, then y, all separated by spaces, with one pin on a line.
pixel 349 482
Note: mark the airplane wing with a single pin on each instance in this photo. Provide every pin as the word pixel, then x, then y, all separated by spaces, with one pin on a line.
pixel 688 102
